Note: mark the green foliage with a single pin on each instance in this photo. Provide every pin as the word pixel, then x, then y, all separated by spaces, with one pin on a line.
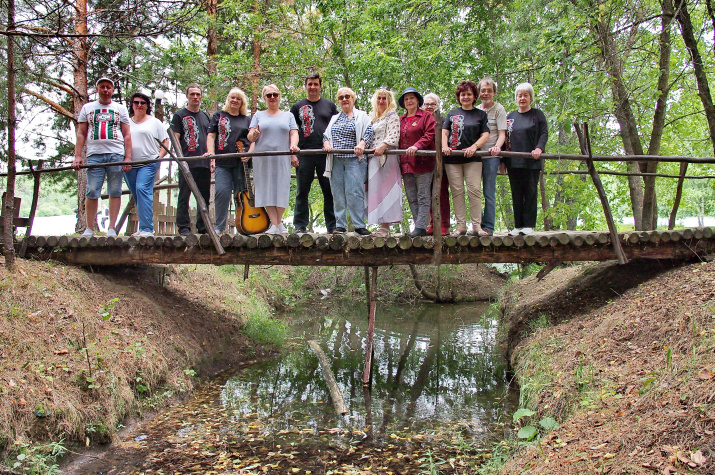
pixel 36 459
pixel 260 326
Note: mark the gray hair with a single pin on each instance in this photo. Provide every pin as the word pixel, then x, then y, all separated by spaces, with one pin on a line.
pixel 488 80
pixel 525 86
pixel 435 97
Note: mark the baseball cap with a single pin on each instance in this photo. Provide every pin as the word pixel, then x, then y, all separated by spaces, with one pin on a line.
pixel 104 78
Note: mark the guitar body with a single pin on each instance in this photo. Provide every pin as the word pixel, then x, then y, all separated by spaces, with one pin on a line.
pixel 250 219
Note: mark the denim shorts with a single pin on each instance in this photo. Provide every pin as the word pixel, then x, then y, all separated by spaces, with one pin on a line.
pixel 95 176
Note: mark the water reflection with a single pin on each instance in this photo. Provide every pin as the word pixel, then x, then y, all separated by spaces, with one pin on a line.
pixel 436 373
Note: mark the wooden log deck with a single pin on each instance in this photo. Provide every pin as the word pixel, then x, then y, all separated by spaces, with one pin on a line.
pixel 351 249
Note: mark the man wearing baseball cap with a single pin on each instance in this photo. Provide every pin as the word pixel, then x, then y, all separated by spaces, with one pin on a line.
pixel 103 125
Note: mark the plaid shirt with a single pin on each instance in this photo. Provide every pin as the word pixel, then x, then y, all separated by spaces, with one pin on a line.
pixel 344 138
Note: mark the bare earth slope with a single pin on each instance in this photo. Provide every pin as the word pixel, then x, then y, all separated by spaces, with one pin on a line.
pixel 630 377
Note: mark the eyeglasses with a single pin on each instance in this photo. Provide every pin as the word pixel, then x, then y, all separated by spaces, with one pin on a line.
pixel 271 95
pixel 139 103
pixel 430 104
pixel 344 97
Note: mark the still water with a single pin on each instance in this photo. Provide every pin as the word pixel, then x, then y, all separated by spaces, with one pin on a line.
pixel 436 375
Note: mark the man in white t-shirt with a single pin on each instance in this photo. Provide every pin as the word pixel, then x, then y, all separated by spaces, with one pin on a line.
pixel 103 125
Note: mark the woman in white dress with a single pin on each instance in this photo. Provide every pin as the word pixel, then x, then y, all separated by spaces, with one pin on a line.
pixel 273 130
pixel 384 180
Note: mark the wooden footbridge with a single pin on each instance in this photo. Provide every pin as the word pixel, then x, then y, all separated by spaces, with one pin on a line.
pixel 351 249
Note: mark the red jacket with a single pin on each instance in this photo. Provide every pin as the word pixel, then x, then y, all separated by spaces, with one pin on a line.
pixel 417 130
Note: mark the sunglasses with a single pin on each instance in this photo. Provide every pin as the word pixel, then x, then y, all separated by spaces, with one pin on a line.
pixel 271 95
pixel 345 96
pixel 139 103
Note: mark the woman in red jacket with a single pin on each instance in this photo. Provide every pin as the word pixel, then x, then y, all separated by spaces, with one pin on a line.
pixel 416 133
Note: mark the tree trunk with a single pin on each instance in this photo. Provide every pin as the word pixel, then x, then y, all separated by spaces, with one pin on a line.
pixel 701 79
pixel 81 57
pixel 650 201
pixel 624 114
pixel 9 205
pixel 211 53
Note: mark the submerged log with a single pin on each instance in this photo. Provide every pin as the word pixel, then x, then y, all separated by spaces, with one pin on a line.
pixel 335 393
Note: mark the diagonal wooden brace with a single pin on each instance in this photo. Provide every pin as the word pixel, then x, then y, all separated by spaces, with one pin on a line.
pixel 203 209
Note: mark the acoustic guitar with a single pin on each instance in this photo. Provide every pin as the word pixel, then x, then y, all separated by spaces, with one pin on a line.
pixel 249 218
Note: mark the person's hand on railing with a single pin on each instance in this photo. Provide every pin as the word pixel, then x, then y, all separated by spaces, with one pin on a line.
pixel 411 151
pixel 446 150
pixel 327 146
pixel 536 153
pixel 77 162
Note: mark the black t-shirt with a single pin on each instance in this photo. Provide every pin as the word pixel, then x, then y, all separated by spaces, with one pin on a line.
pixel 229 129
pixel 192 128
pixel 465 128
pixel 312 119
pixel 525 132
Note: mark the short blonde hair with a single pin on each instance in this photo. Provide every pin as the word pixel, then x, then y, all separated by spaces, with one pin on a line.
pixel 263 92
pixel 350 92
pixel 243 110
pixel 524 86
pixel 391 105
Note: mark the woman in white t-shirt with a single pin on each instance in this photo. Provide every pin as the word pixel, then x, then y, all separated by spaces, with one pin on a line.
pixel 145 130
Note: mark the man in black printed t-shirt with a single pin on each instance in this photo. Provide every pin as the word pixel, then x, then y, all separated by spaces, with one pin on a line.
pixel 312 116
pixel 190 126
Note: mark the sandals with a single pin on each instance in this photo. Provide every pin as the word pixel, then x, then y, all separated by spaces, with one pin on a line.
pixel 459 232
pixel 382 232
pixel 478 231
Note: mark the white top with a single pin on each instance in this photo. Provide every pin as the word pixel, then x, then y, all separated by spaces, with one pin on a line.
pixel 104 132
pixel 144 135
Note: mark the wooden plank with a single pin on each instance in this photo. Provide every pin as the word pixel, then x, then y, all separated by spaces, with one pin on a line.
pixel 372 298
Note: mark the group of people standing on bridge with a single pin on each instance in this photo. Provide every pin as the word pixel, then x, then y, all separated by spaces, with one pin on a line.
pixel 368 188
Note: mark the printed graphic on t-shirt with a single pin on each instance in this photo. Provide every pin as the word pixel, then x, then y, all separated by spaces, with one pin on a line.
pixel 191 133
pixel 224 131
pixel 509 128
pixel 307 119
pixel 456 131
pixel 105 124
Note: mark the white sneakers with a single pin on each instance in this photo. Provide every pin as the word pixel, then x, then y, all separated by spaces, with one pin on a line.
pixel 88 233
pixel 140 234
pixel 280 229
pixel 111 232
pixel 524 231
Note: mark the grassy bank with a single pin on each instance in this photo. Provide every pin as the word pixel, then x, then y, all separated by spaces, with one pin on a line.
pixel 619 383
pixel 81 352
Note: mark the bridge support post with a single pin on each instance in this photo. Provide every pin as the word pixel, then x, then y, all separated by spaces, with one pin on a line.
pixel 585 143
pixel 371 292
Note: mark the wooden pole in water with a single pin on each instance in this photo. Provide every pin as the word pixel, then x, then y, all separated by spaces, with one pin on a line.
pixel 585 142
pixel 370 328
pixel 335 393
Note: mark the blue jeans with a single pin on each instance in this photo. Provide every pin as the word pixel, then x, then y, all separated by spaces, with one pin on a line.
pixel 141 183
pixel 95 176
pixel 490 167
pixel 347 182
pixel 228 182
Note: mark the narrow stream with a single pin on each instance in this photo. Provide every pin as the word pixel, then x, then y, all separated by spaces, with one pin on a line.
pixel 437 375
pixel 439 394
